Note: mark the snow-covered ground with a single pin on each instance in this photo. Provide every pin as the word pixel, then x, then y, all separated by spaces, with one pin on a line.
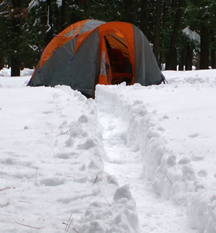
pixel 135 159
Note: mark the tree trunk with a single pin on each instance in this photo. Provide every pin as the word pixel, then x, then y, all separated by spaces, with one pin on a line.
pixel 144 18
pixel 64 22
pixel 164 15
pixel 204 47
pixel 170 59
pixel 189 58
pixel 213 58
pixel 1 61
pixel 129 13
pixel 15 66
pixel 84 5
pixel 183 58
pixel 15 61
pixel 156 41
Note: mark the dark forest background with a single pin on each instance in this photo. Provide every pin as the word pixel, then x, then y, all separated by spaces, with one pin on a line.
pixel 26 27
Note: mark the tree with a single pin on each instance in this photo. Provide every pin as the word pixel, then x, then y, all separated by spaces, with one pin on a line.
pixel 15 17
pixel 144 17
pixel 204 47
pixel 202 19
pixel 156 41
pixel 28 26
pixel 213 48
pixel 13 44
pixel 171 58
pixel 129 13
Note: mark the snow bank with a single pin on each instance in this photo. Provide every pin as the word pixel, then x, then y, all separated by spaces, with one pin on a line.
pixel 51 165
pixel 5 72
pixel 176 153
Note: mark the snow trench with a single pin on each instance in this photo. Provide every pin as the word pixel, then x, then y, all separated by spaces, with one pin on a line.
pixel 173 179
pixel 106 207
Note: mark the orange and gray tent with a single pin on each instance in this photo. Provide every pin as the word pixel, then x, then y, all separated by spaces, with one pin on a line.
pixel 78 57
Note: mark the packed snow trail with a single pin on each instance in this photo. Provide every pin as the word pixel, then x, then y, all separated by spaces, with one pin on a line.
pixel 126 163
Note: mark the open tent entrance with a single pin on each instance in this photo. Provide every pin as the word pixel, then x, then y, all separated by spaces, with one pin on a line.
pixel 119 58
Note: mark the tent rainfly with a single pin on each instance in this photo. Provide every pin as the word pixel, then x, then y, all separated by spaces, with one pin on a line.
pixel 79 57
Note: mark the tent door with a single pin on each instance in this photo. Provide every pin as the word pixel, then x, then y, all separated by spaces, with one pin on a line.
pixel 118 54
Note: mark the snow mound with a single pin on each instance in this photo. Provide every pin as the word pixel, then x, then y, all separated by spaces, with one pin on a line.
pixel 51 165
pixel 120 216
pixel 175 175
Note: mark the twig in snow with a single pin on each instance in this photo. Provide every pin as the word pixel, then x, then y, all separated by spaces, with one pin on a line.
pixel 27 226
pixel 70 220
pixel 62 133
pixel 8 203
pixel 95 180
pixel 107 201
pixel 75 230
pixel 169 180
pixel 5 189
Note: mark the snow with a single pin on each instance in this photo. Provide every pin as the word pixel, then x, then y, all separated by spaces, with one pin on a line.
pixel 192 34
pixel 59 3
pixel 35 3
pixel 136 159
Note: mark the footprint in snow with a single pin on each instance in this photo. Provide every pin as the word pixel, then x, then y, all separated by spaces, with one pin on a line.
pixel 65 155
pixel 184 160
pixel 52 182
pixel 47 112
pixel 83 119
pixel 165 117
pixel 193 135
pixel 197 158
pixel 55 96
pixel 87 145
pixel 202 173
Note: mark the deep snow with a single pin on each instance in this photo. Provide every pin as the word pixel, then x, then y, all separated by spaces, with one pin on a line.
pixel 135 159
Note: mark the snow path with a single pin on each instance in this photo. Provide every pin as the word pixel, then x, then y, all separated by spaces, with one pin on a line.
pixel 155 214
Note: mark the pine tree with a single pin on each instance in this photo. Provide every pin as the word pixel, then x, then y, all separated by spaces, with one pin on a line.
pixel 202 19
pixel 171 57
pixel 156 39
pixel 13 42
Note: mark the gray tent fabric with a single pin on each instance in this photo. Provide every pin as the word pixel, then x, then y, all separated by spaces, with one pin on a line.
pixel 63 68
pixel 56 70
pixel 81 70
pixel 91 24
pixel 147 70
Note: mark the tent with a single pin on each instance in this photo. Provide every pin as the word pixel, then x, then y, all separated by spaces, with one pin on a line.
pixel 78 57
